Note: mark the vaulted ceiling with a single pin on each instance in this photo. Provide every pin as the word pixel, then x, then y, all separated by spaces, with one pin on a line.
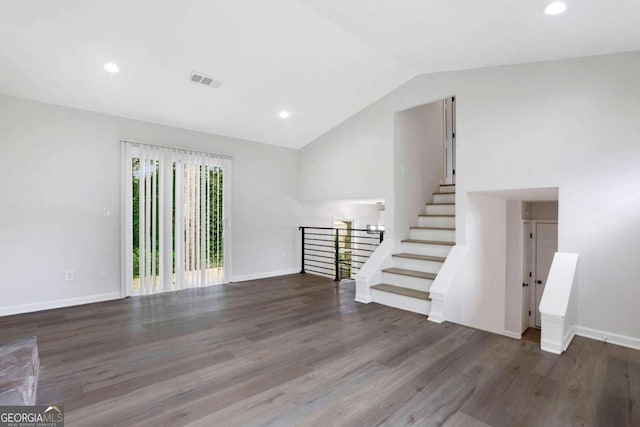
pixel 321 60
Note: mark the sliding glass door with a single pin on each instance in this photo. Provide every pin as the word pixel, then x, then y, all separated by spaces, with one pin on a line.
pixel 175 219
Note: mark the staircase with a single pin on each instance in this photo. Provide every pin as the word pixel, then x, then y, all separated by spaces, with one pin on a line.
pixel 406 285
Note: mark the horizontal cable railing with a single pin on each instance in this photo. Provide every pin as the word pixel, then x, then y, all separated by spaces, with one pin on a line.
pixel 337 252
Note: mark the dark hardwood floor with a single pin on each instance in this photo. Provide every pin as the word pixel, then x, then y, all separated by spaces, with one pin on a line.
pixel 294 350
pixel 532 335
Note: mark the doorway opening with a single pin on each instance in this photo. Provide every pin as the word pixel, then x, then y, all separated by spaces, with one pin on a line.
pixel 449 139
pixel 540 243
pixel 345 246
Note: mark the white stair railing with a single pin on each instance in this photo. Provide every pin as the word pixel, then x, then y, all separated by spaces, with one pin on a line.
pixel 371 272
pixel 444 281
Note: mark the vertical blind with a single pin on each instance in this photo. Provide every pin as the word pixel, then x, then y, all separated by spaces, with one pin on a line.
pixel 175 218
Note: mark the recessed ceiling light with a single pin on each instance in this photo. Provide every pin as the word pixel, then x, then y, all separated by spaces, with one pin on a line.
pixel 284 114
pixel 111 67
pixel 555 8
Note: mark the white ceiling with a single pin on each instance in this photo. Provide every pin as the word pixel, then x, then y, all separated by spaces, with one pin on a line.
pixel 321 60
pixel 443 35
pixel 270 55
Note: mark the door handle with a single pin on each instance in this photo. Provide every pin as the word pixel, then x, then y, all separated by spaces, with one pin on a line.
pixel 539 282
pixel 525 284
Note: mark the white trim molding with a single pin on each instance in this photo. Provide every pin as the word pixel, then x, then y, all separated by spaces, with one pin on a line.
pixel 557 335
pixel 558 307
pixel 444 280
pixel 511 334
pixel 61 303
pixel 371 272
pixel 364 299
pixel 608 337
pixel 437 308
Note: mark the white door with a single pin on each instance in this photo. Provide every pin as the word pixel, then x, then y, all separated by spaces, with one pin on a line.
pixel 546 247
pixel 450 140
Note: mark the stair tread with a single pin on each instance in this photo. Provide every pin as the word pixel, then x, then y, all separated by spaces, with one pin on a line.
pixel 437 215
pixel 433 228
pixel 428 242
pixel 420 257
pixel 440 204
pixel 412 273
pixel 402 291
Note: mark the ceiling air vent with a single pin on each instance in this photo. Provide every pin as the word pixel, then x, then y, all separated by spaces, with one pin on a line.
pixel 200 78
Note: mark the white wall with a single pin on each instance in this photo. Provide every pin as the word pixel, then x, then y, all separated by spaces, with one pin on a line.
pixel 571 124
pixel 477 296
pixel 514 259
pixel 322 213
pixel 351 161
pixel 418 162
pixel 60 167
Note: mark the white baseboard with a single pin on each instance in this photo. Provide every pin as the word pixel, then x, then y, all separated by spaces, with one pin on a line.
pixel 48 305
pixel 435 317
pixel 363 299
pixel 265 274
pixel 610 337
pixel 512 334
pixel 550 346
pixel 436 314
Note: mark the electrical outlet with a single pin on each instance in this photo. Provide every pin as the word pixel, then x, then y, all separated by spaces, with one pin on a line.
pixel 104 275
pixel 69 275
pixel 106 212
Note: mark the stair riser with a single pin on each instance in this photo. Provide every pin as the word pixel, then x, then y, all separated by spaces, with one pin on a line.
pixel 439 235
pixel 417 283
pixel 417 265
pixel 400 301
pixel 426 249
pixel 447 188
pixel 444 198
pixel 440 210
pixel 437 221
